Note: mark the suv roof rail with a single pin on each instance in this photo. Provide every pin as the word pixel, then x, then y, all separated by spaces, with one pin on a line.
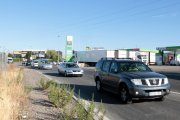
pixel 110 58
pixel 107 58
pixel 125 58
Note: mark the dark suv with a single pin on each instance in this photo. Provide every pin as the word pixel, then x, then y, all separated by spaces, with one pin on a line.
pixel 130 79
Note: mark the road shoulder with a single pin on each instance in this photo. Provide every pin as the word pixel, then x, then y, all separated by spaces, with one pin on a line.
pixel 39 107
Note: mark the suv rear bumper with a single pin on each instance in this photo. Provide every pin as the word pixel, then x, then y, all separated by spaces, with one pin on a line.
pixel 149 92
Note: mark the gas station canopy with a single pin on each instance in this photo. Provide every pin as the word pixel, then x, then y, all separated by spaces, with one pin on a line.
pixel 175 50
pixel 170 48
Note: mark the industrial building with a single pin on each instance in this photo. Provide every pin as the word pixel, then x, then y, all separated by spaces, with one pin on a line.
pixel 90 57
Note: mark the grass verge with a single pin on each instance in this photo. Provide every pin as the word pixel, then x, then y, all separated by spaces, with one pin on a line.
pixel 12 93
pixel 62 97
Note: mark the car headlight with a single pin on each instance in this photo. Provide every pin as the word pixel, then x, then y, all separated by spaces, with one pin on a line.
pixel 165 80
pixel 136 81
pixel 82 71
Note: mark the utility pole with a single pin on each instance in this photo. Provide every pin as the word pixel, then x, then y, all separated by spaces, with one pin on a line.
pixel 58 51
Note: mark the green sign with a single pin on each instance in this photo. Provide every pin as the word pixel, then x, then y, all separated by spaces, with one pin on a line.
pixel 69 48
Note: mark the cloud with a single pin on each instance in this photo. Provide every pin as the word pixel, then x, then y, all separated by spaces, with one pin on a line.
pixel 165 15
pixel 159 16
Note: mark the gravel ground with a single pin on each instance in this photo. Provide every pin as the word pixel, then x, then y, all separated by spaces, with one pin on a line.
pixel 39 108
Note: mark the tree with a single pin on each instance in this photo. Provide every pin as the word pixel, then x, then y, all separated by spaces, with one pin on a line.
pixel 28 55
pixel 52 54
pixel 10 55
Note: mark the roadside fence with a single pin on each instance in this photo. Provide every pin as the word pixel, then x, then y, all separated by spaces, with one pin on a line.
pixel 3 60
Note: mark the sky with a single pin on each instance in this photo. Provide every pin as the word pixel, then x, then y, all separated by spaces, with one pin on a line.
pixel 111 24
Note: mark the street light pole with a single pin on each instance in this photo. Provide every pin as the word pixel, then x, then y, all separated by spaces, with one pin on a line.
pixel 58 51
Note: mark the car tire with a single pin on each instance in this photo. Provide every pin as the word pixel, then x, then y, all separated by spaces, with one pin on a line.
pixel 59 72
pixel 124 95
pixel 98 86
pixel 65 74
pixel 161 98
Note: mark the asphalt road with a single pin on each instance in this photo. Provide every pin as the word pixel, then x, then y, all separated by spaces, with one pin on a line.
pixel 138 110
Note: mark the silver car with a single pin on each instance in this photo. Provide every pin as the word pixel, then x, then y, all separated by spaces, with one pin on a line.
pixel 70 69
pixel 45 64
pixel 34 64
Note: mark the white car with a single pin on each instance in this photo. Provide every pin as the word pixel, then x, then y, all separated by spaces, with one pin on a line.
pixel 70 69
pixel 174 62
pixel 10 60
pixel 35 64
pixel 45 64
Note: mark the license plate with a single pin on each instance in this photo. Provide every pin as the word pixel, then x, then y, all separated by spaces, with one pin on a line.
pixel 154 93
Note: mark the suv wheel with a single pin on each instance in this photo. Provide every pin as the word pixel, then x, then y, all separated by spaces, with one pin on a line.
pixel 98 86
pixel 124 95
pixel 161 98
pixel 65 74
pixel 59 72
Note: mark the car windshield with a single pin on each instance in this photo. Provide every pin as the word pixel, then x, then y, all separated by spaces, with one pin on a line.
pixel 46 62
pixel 72 65
pixel 35 61
pixel 133 67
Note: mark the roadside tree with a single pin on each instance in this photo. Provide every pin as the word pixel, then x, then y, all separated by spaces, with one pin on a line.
pixel 28 55
pixel 52 54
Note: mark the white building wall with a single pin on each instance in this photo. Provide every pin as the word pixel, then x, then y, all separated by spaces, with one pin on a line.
pixel 123 54
pixel 110 53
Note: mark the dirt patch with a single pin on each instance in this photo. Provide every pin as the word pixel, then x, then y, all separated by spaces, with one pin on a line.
pixel 39 107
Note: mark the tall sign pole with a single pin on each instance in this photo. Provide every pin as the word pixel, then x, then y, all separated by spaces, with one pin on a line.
pixel 69 48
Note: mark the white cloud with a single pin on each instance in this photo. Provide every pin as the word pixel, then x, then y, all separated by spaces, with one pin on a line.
pixel 165 15
pixel 159 16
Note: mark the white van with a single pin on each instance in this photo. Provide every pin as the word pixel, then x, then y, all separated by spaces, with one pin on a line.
pixel 174 62
pixel 10 60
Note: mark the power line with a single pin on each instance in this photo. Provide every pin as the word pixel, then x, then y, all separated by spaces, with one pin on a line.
pixel 138 13
pixel 113 13
pixel 134 14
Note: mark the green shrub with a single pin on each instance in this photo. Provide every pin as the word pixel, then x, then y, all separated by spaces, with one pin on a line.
pixel 60 96
pixel 80 110
pixel 51 83
pixel 102 110
pixel 42 83
pixel 17 59
pixel 85 114
pixel 90 110
pixel 28 89
pixel 45 84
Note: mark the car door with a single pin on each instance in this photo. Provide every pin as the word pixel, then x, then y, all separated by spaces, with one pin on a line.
pixel 113 78
pixel 105 74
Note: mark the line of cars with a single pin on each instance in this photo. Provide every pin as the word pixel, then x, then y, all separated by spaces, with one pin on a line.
pixel 64 68
pixel 39 63
pixel 130 79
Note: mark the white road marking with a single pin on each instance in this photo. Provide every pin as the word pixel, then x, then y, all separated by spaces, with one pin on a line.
pixel 175 92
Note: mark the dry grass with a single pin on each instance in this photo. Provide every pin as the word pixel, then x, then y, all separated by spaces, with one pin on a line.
pixel 12 95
